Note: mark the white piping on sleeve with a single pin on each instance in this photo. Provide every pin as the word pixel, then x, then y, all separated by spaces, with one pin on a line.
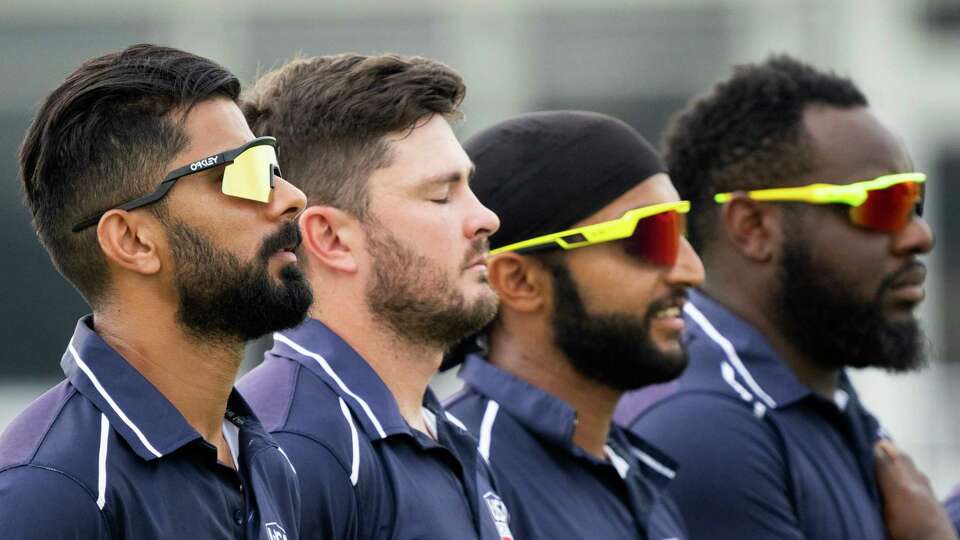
pixel 486 429
pixel 729 351
pixel 102 461
pixel 354 443
pixel 326 367
pixel 96 384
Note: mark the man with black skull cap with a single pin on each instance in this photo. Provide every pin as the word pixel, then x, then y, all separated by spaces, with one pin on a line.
pixel 591 268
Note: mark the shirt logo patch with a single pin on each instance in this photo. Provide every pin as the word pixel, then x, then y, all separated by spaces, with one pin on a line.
pixel 275 531
pixel 500 515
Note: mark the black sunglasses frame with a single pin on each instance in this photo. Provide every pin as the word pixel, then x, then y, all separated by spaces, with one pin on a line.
pixel 218 160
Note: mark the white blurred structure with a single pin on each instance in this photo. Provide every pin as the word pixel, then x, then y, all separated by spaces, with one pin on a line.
pixel 634 59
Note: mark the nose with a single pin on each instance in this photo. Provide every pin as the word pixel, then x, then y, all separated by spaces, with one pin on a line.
pixel 287 199
pixel 688 270
pixel 916 238
pixel 481 221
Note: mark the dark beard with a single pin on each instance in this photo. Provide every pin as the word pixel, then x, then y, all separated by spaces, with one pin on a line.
pixel 221 299
pixel 413 298
pixel 613 350
pixel 822 318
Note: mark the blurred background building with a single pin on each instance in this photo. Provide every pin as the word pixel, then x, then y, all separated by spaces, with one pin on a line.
pixel 638 60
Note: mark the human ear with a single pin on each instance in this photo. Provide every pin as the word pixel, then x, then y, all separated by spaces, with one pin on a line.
pixel 521 283
pixel 330 237
pixel 130 241
pixel 752 227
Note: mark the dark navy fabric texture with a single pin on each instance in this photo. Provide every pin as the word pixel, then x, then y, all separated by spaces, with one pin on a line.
pixel 553 488
pixel 953 508
pixel 760 455
pixel 364 472
pixel 105 455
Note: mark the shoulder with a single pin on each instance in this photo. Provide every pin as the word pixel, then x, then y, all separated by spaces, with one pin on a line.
pixel 59 431
pixel 676 421
pixel 44 502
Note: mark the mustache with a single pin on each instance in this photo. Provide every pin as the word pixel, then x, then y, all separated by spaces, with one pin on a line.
pixel 288 237
pixel 677 297
pixel 901 276
pixel 478 249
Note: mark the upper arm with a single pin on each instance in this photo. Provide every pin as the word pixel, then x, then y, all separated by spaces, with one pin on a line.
pixel 328 499
pixel 732 480
pixel 41 503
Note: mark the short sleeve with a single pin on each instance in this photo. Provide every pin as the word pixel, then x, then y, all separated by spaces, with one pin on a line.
pixel 44 504
pixel 732 477
pixel 328 498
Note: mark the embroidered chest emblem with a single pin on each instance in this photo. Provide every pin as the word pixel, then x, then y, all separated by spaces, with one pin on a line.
pixel 500 515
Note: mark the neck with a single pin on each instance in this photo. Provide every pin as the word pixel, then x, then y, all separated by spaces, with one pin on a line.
pixel 195 377
pixel 753 305
pixel 404 366
pixel 523 355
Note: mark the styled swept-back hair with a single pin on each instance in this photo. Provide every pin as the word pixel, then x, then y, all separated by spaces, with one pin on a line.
pixel 331 115
pixel 106 135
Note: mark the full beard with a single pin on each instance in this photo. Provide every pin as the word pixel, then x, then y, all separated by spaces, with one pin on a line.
pixel 414 298
pixel 611 349
pixel 821 317
pixel 222 299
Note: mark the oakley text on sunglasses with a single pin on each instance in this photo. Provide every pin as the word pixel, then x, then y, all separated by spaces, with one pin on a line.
pixel 249 174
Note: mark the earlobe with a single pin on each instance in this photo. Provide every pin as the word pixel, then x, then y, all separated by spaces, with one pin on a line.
pixel 129 241
pixel 329 237
pixel 752 227
pixel 519 284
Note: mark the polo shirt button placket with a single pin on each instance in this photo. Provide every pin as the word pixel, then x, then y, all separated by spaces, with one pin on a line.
pixel 238 517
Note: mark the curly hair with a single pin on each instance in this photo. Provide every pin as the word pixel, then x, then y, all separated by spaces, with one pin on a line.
pixel 747 132
pixel 331 114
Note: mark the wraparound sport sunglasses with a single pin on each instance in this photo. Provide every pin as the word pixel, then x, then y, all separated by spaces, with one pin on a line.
pixel 886 203
pixel 650 233
pixel 249 174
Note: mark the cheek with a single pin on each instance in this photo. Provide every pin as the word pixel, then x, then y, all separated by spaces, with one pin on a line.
pixel 613 283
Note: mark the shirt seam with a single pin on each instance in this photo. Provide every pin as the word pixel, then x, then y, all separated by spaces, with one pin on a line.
pixel 71 477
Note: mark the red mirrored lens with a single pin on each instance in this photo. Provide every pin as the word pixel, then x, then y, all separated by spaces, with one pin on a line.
pixel 888 209
pixel 656 239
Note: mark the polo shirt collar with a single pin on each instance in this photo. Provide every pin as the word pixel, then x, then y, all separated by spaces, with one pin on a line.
pixel 554 420
pixel 325 354
pixel 750 360
pixel 540 412
pixel 147 421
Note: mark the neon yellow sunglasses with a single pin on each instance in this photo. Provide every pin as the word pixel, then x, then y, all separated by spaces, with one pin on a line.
pixel 885 203
pixel 651 233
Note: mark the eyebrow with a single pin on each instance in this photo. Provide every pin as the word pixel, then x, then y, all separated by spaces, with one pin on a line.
pixel 449 177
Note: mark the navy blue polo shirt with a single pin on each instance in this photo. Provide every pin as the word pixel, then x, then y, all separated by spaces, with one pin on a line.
pixel 761 455
pixel 105 455
pixel 553 488
pixel 364 472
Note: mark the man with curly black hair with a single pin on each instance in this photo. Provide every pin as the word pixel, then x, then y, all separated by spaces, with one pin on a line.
pixel 808 216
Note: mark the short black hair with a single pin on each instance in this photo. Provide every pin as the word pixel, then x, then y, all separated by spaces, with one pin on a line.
pixel 104 136
pixel 747 133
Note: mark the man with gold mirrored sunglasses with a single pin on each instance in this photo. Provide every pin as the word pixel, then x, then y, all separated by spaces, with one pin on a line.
pixel 808 215
pixel 146 437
